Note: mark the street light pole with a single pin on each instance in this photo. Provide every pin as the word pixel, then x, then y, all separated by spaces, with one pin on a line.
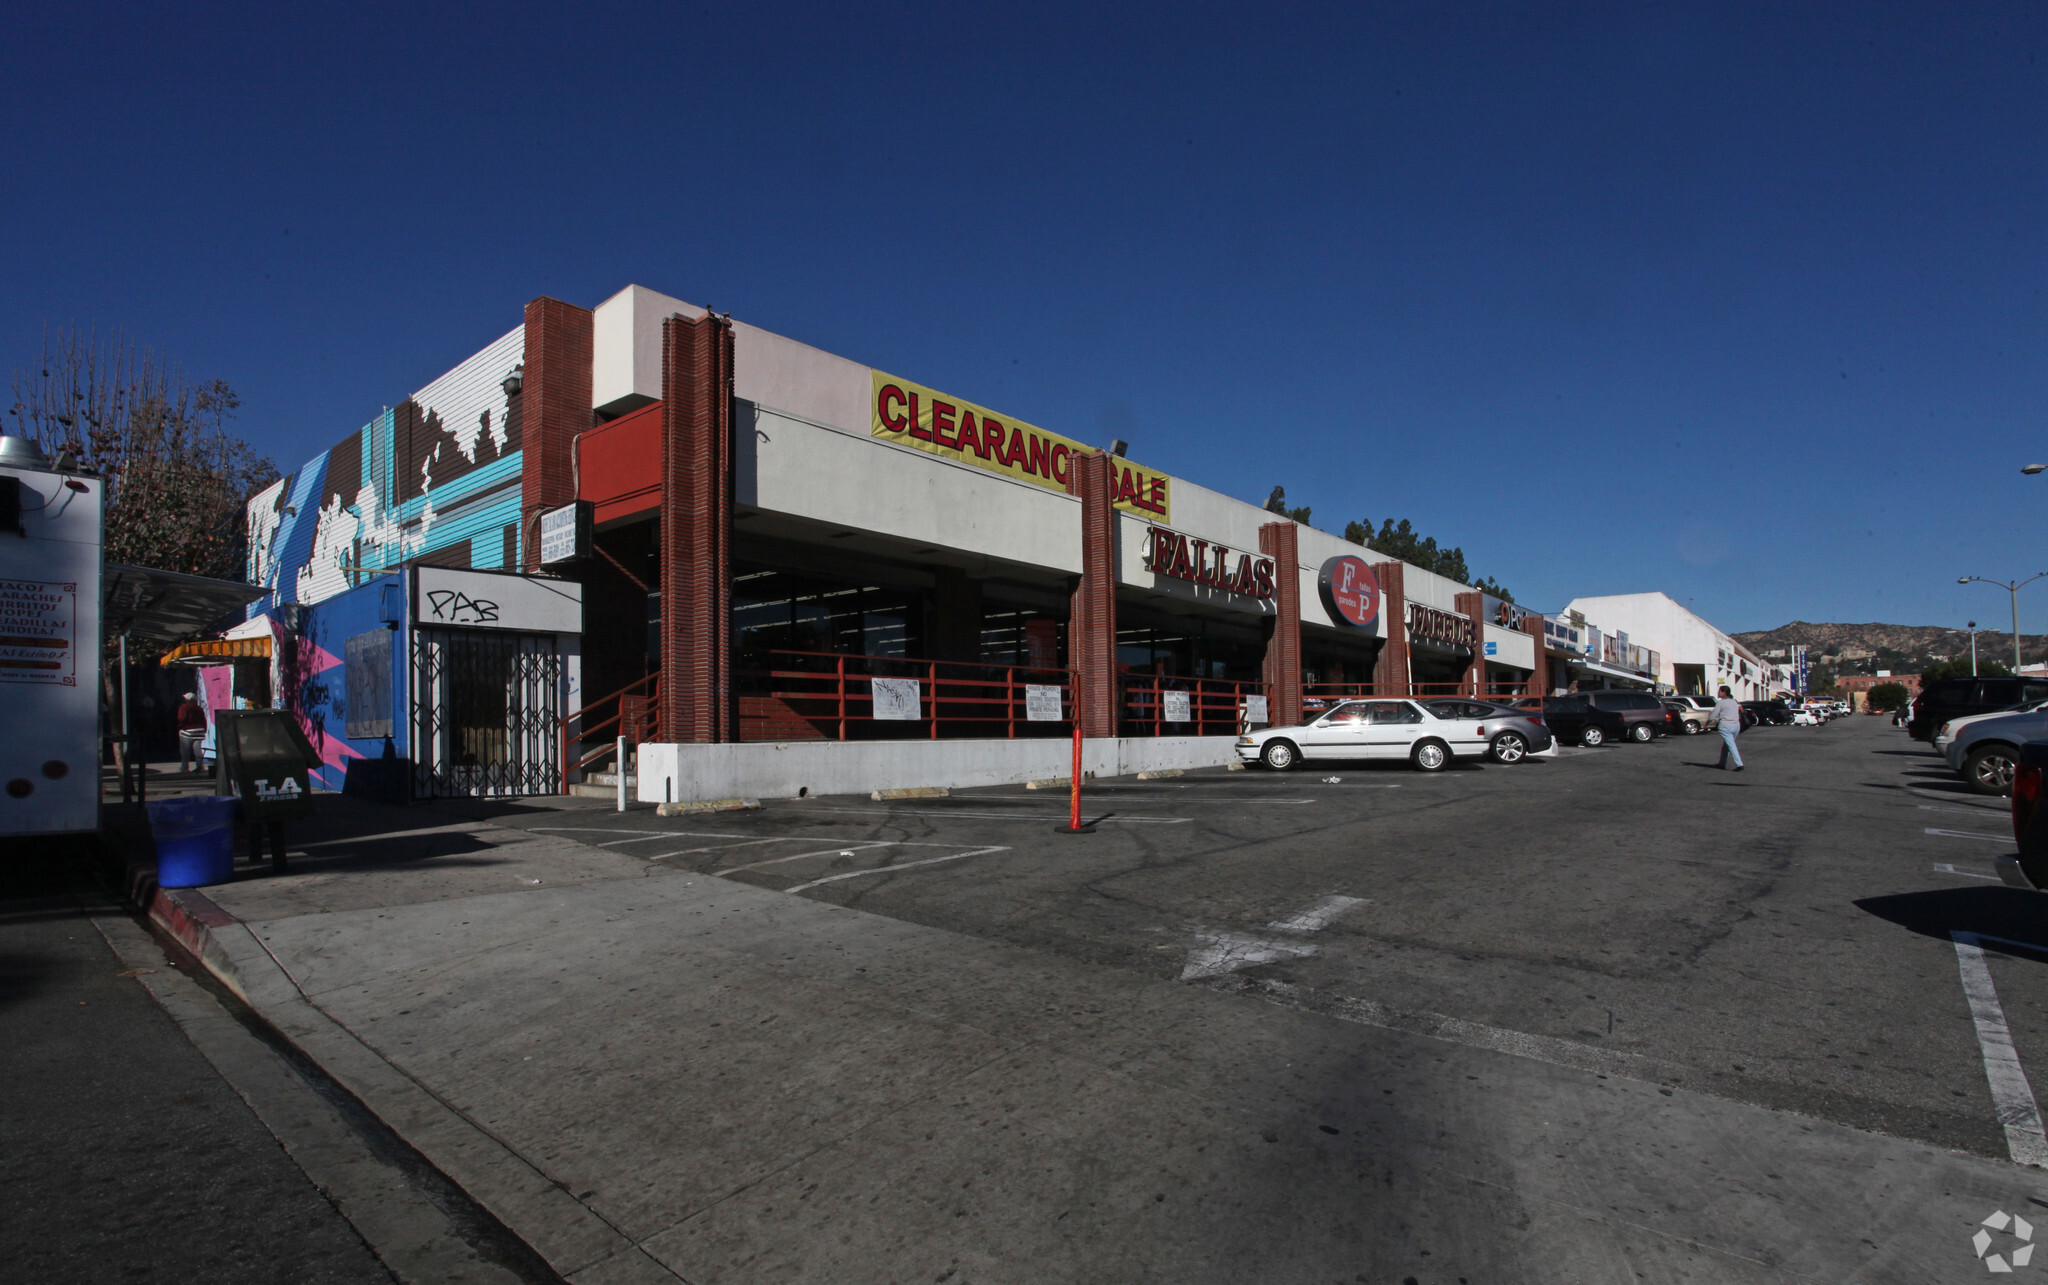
pixel 2013 587
pixel 1973 649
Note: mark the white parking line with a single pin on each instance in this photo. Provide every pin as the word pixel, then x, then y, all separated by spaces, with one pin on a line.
pixel 1968 812
pixel 1040 815
pixel 904 865
pixel 2018 1113
pixel 1972 834
pixel 1943 868
pixel 837 850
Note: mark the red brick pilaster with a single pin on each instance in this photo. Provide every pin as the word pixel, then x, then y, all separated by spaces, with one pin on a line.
pixel 1473 607
pixel 1281 541
pixel 1539 675
pixel 1390 671
pixel 1091 627
pixel 554 407
pixel 696 530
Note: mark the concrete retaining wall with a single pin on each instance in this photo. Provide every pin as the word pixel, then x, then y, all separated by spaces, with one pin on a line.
pixel 783 770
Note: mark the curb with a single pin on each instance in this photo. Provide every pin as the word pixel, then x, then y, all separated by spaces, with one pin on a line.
pixel 913 792
pixel 709 805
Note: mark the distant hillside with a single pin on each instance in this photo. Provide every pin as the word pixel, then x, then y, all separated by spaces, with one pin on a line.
pixel 1918 642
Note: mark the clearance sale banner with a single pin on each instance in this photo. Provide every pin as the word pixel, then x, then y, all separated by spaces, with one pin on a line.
pixel 931 421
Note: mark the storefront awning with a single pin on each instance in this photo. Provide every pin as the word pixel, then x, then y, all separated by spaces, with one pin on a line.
pixel 217 649
pixel 1610 671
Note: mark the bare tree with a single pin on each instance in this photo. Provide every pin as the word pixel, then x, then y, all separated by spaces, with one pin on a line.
pixel 177 478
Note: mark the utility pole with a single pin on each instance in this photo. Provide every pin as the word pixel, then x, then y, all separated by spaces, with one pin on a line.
pixel 2013 587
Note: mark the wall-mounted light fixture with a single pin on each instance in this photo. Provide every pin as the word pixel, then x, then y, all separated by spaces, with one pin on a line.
pixel 513 382
pixel 1118 447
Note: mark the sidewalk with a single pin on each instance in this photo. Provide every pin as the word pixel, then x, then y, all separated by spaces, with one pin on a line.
pixel 652 1075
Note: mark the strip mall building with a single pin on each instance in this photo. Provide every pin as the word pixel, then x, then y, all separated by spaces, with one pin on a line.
pixel 781 571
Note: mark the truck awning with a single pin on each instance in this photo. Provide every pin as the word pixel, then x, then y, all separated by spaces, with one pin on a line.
pixel 169 607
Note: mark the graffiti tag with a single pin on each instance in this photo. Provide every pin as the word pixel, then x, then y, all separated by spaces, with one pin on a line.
pixel 456 607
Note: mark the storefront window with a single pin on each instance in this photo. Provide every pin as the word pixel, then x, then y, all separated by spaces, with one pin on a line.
pixel 780 611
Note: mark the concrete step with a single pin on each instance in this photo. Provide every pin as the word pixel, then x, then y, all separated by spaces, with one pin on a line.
pixel 603 785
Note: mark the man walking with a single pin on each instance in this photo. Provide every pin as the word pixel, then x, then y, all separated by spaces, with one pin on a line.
pixel 191 732
pixel 1727 718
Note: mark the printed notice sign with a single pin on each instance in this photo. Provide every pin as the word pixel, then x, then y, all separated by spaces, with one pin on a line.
pixel 1177 708
pixel 39 632
pixel 897 699
pixel 1255 709
pixel 1041 703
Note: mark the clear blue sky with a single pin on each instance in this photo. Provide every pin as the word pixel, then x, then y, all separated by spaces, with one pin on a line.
pixel 1734 302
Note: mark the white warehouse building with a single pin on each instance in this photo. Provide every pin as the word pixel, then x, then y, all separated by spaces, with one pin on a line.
pixel 1696 657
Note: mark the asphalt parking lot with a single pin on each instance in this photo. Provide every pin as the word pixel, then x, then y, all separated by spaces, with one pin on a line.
pixel 1781 936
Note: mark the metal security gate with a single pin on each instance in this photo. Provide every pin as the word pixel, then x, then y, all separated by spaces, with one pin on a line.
pixel 486 714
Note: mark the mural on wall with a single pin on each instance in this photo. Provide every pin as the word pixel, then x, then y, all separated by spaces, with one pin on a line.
pixel 434 479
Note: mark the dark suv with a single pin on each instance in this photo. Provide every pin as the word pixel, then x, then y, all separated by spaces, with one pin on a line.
pixel 1642 714
pixel 1595 718
pixel 1947 698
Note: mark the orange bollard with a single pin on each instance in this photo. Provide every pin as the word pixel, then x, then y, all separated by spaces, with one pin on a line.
pixel 1073 825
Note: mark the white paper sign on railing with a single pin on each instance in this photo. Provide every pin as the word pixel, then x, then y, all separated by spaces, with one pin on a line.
pixel 1042 703
pixel 1255 709
pixel 897 699
pixel 1177 708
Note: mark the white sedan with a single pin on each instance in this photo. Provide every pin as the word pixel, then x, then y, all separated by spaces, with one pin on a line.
pixel 1369 729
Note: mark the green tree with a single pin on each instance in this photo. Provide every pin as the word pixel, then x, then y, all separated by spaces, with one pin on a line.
pixel 1494 587
pixel 1986 668
pixel 1886 697
pixel 1277 503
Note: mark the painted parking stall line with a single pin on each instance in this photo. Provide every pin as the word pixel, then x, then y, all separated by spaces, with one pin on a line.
pixel 2005 839
pixel 2013 1097
pixel 1944 868
pixel 1037 816
pixel 901 865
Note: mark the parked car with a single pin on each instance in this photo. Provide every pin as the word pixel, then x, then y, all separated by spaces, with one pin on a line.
pixel 1692 720
pixel 1370 729
pixel 1986 750
pixel 1775 713
pixel 2028 869
pixel 1642 714
pixel 1947 698
pixel 1948 731
pixel 1808 716
pixel 1511 734
pixel 1575 720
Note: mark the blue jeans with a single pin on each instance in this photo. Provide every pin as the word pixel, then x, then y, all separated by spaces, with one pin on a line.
pixel 1728 750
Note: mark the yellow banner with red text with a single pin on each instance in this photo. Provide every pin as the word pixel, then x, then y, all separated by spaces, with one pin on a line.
pixel 927 420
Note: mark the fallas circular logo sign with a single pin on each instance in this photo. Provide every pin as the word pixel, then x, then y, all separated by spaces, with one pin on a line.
pixel 1351 592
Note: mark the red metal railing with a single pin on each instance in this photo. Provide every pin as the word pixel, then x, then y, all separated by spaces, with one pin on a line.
pixel 632 716
pixel 1316 695
pixel 1215 706
pixel 833 695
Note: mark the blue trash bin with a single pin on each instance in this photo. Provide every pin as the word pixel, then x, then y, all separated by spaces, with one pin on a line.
pixel 195 840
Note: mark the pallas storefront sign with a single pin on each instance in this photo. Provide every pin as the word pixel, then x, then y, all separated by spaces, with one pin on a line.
pixel 1169 553
pixel 931 421
pixel 1351 592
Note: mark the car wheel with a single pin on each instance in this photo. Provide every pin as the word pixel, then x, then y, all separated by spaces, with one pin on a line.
pixel 1641 733
pixel 1509 747
pixel 1279 755
pixel 1430 756
pixel 1989 769
pixel 1592 737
